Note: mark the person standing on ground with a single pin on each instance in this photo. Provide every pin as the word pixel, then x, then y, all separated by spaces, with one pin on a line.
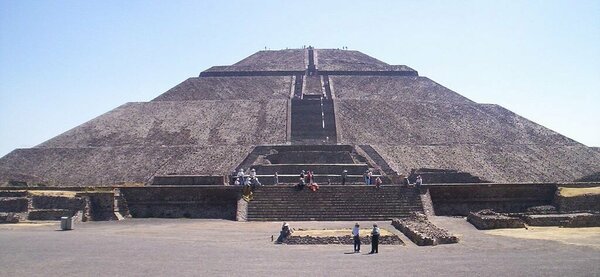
pixel 344 175
pixel 356 236
pixel 276 178
pixel 241 177
pixel 419 182
pixel 375 239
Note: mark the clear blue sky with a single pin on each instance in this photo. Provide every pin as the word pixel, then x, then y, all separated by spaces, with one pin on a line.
pixel 63 63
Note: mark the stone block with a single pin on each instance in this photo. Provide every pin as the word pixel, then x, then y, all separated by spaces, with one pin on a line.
pixel 10 217
pixel 17 204
pixel 57 202
pixel 487 219
pixel 422 232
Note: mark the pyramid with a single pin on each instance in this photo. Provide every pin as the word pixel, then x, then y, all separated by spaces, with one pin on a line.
pixel 208 125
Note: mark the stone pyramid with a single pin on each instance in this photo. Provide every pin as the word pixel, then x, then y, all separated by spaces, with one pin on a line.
pixel 208 125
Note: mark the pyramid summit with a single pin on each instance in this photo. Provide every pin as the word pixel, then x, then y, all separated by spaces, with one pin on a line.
pixel 332 106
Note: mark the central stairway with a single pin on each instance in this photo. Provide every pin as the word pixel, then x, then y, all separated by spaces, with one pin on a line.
pixel 356 203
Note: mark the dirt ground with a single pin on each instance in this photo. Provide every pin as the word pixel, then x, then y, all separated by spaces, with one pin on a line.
pixel 198 247
pixel 576 236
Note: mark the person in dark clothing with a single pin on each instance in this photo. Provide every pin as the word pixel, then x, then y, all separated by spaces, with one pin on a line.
pixel 375 239
pixel 344 175
pixel 286 231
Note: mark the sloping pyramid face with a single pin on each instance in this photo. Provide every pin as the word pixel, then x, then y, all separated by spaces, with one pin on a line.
pixel 207 125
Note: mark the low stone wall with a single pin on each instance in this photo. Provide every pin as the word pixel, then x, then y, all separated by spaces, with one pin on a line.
pixel 11 217
pixel 366 240
pixel 13 204
pixel 462 199
pixel 564 220
pixel 190 202
pixel 592 220
pixel 101 205
pixel 188 180
pixel 57 202
pixel 545 209
pixel 13 193
pixel 487 219
pixel 242 210
pixel 580 203
pixel 422 232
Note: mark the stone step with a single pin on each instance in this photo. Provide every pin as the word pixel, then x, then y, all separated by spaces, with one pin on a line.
pixel 320 179
pixel 329 219
pixel 13 193
pixel 333 169
pixel 333 203
pixel 311 157
pixel 333 210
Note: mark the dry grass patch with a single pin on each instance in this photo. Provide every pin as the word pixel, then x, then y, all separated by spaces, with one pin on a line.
pixel 52 193
pixel 577 236
pixel 574 192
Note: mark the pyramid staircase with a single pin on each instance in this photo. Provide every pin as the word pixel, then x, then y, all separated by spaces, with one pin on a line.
pixel 287 203
pixel 326 162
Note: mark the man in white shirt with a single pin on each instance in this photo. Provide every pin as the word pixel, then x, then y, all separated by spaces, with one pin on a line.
pixel 356 236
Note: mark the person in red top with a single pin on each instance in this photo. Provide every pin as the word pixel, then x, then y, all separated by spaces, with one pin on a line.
pixel 309 176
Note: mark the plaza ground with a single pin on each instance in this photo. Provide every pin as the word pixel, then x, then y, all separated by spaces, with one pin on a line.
pixel 198 247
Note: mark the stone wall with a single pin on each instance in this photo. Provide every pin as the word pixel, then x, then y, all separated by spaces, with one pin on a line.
pixel 461 199
pixel 13 205
pixel 487 219
pixel 189 180
pixel 578 203
pixel 564 220
pixel 422 232
pixel 190 202
pixel 102 205
pixel 365 240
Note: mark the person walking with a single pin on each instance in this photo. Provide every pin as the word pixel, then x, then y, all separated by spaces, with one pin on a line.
pixel 375 239
pixel 276 176
pixel 356 236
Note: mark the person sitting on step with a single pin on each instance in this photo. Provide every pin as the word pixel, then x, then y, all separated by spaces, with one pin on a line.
pixel 301 184
pixel 378 182
pixel 247 193
pixel 285 233
pixel 313 186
